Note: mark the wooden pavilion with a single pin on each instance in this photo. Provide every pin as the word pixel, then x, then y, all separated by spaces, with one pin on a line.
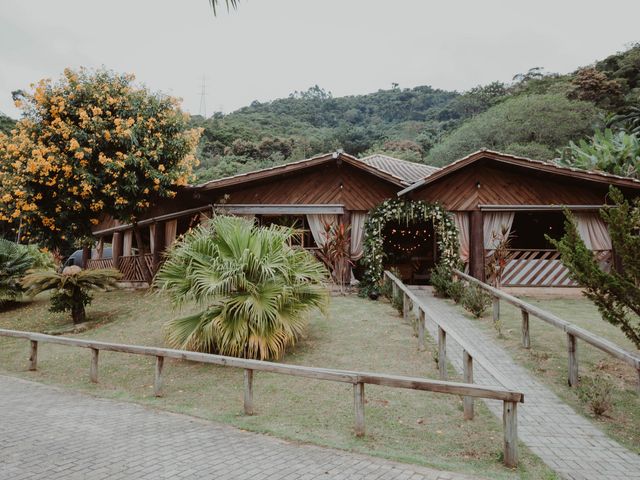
pixel 486 191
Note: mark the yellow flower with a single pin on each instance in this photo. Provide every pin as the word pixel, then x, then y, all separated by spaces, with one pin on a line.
pixel 73 144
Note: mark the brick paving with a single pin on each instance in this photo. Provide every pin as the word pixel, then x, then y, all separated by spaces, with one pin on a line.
pixel 566 441
pixel 53 434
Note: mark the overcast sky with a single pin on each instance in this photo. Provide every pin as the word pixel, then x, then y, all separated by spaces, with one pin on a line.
pixel 269 48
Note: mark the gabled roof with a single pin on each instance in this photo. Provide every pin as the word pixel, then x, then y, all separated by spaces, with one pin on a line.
pixel 399 172
pixel 539 165
pixel 409 172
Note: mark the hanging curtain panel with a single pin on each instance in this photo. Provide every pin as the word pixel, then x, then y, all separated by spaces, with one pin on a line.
pixel 152 242
pixel 358 219
pixel 494 225
pixel 316 225
pixel 593 231
pixel 127 243
pixel 462 224
pixel 170 232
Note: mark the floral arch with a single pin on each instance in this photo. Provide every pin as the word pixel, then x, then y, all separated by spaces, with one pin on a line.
pixel 405 211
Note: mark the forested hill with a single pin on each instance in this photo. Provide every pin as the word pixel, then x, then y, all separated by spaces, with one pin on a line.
pixel 535 115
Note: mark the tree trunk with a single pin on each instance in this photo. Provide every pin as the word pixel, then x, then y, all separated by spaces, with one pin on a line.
pixel 78 314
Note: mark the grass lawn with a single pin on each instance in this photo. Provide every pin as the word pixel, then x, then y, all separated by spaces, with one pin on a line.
pixel 547 358
pixel 417 427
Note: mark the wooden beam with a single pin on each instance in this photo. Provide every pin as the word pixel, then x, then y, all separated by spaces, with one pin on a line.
pixel 510 428
pixel 116 249
pixel 358 402
pixel 476 245
pixel 248 391
pixel 526 340
pixel 467 374
pixel 496 309
pixel 33 356
pixel 157 379
pixel 421 327
pixel 572 350
pixel 93 370
pixel 442 353
pixel 158 245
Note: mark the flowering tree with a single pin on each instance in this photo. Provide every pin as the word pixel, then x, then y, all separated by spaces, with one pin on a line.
pixel 90 144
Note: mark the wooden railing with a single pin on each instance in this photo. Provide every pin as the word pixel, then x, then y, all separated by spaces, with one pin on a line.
pixel 136 268
pixel 95 263
pixel 357 379
pixel 572 331
pixel 469 356
pixel 541 268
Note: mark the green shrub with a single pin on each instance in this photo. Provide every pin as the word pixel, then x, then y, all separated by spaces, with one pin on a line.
pixel 475 300
pixel 456 290
pixel 14 263
pixel 441 280
pixel 596 393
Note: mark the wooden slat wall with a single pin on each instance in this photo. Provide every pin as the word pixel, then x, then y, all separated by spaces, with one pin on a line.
pixel 320 185
pixel 507 186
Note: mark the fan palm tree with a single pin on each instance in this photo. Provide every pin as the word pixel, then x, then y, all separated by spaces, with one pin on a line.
pixel 252 288
pixel 71 287
pixel 15 260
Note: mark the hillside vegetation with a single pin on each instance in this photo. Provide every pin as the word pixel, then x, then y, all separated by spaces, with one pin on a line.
pixel 535 115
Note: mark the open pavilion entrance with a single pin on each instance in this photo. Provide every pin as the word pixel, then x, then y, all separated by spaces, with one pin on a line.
pixel 410 249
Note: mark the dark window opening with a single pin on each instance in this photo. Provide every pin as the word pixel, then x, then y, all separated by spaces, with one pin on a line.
pixel 529 230
pixel 411 249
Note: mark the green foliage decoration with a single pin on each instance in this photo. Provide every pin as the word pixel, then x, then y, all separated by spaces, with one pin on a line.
pixel 15 260
pixel 405 212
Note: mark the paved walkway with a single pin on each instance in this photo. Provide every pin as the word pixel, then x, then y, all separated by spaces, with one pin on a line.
pixel 563 439
pixel 48 433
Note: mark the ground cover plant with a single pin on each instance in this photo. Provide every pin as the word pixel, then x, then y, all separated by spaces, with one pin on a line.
pixel 404 425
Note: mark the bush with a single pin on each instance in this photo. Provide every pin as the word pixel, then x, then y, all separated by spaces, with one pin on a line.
pixel 441 280
pixel 475 300
pixel 456 290
pixel 14 263
pixel 596 393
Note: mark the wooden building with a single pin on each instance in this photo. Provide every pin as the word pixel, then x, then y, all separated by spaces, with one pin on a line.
pixel 487 192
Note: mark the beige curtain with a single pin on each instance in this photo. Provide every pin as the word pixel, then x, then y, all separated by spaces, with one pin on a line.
pixel 127 243
pixel 316 225
pixel 170 231
pixel 97 253
pixel 593 231
pixel 358 219
pixel 462 224
pixel 494 224
pixel 152 232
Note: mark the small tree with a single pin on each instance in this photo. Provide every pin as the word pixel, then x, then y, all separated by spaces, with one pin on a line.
pixel 90 144
pixel 499 258
pixel 336 250
pixel 15 260
pixel 71 288
pixel 615 293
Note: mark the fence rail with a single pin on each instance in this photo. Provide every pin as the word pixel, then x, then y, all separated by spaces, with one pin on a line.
pixel 96 263
pixel 357 379
pixel 469 356
pixel 572 331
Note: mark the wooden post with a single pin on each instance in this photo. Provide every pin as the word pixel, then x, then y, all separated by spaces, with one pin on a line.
pixel 358 401
pixel 442 353
pixel 526 341
pixel 405 307
pixel 116 248
pixel 157 381
pixel 33 357
pixel 158 245
pixel 572 350
pixel 510 426
pixel 86 255
pixel 421 321
pixel 476 245
pixel 496 309
pixel 394 287
pixel 93 370
pixel 248 391
pixel 467 371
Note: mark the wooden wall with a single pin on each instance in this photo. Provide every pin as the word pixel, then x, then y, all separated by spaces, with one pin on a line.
pixel 508 185
pixel 325 184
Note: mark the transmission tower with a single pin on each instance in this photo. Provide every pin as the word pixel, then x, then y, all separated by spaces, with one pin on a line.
pixel 203 98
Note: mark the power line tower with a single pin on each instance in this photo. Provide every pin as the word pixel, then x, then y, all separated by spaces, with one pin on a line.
pixel 203 98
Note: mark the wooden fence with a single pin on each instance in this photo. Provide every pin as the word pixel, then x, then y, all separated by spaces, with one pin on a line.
pixel 509 398
pixel 136 268
pixel 96 263
pixel 469 356
pixel 572 331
